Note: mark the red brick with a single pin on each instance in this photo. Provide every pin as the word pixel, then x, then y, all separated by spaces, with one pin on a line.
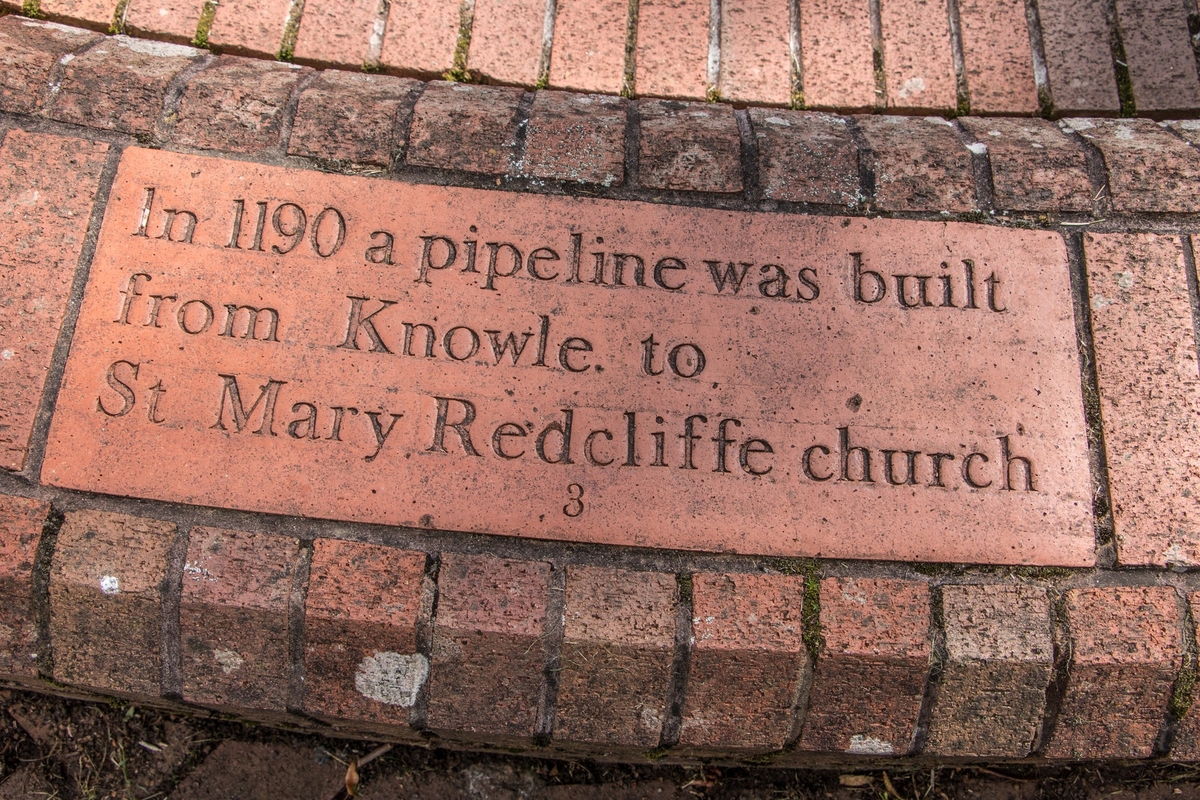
pixel 835 49
pixel 336 32
pixel 21 522
pixel 1035 166
pixel 1126 651
pixel 174 20
pixel 421 36
pixel 28 51
pixel 360 632
pixel 756 60
pixel 748 661
pixel 119 84
pixel 349 117
pixel 1079 64
pixel 254 27
pixel 488 646
pixel 233 618
pixel 1149 168
pixel 870 673
pixel 459 126
pixel 236 104
pixel 1149 394
pixel 47 184
pixel 917 58
pixel 94 14
pixel 999 659
pixel 106 585
pixel 618 645
pixel 506 40
pixel 1185 746
pixel 920 164
pixel 806 157
pixel 576 137
pixel 589 45
pixel 997 56
pixel 672 49
pixel 689 146
pixel 1162 66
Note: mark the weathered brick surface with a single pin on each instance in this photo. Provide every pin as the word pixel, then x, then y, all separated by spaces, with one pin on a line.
pixel 233 618
pixel 1126 652
pixel 1035 166
pixel 835 48
pixel 421 36
pixel 999 657
pixel 1162 66
pixel 47 184
pixel 1185 746
pixel 488 654
pixel 1149 168
pixel 506 40
pixel 920 164
pixel 748 661
pixel 998 58
pixel 917 58
pixel 806 157
pixel 175 20
pixel 236 104
pixel 21 523
pixel 576 137
pixel 458 126
pixel 1079 64
pixel 672 51
pixel 360 660
pixel 349 117
pixel 106 585
pixel 870 673
pixel 119 84
pixel 618 645
pixel 28 51
pixel 755 52
pixel 1149 394
pixel 689 146
pixel 336 32
pixel 249 26
pixel 589 45
pixel 94 14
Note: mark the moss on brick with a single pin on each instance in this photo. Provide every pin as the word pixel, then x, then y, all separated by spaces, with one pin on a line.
pixel 204 25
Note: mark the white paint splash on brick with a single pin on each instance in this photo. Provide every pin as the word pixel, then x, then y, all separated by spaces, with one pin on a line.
pixel 392 678
pixel 229 660
pixel 110 585
pixel 869 746
pixel 978 148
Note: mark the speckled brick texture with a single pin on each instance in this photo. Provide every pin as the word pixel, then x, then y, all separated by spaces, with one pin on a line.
pixel 21 524
pixel 95 14
pixel 917 57
pixel 1185 744
pixel 1079 63
pixel 806 157
pixel 920 164
pixel 576 137
pixel 589 45
pixel 998 58
pixel 756 64
pixel 336 32
pixel 689 147
pixel 836 53
pixel 253 27
pixel 506 40
pixel 28 51
pixel 1035 165
pixel 350 118
pixel 421 36
pixel 672 51
pixel 173 20
pixel 471 128
pixel 1149 167
pixel 1162 66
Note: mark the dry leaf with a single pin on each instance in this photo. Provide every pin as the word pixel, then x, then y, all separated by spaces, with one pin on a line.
pixel 352 778
pixel 854 780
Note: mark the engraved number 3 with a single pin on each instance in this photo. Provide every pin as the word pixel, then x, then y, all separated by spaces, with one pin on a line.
pixel 575 507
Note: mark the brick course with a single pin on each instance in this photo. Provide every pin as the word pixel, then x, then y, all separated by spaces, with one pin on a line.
pixel 21 524
pixel 806 157
pixel 576 137
pixel 689 146
pixel 349 117
pixel 1149 168
pixel 920 164
pixel 472 128
pixel 28 51
pixel 1035 166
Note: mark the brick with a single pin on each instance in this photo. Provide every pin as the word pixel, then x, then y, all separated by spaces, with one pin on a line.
pixel 28 51
pixel 917 58
pixel 748 661
pixel 252 27
pixel 835 49
pixel 360 632
pixel 997 57
pixel 756 60
pixel 806 157
pixel 336 32
pixel 421 36
pixel 672 49
pixel 1035 166
pixel 589 45
pixel 1149 394
pixel 618 646
pixel 488 655
pixel 233 618
pixel 1158 50
pixel 236 104
pixel 1149 168
pixel 1079 65
pixel 576 137
pixel 47 185
pixel 870 673
pixel 506 40
pixel 1185 745
pixel 119 84
pixel 349 117
pixel 21 523
pixel 920 164
pixel 94 14
pixel 1126 651
pixel 999 659
pixel 689 146
pixel 470 128
pixel 174 20
pixel 106 586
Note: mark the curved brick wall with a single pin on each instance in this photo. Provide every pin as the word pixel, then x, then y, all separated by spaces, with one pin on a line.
pixel 610 651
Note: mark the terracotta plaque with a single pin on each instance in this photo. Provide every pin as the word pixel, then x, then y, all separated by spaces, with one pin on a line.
pixel 286 341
